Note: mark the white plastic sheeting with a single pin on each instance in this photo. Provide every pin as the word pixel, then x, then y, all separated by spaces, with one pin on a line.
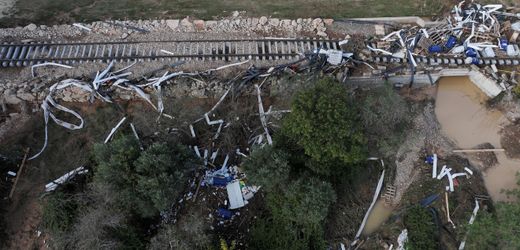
pixel 54 184
pixel 374 199
pixel 236 200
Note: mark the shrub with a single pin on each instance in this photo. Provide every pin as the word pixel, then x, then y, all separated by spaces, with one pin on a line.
pixel 146 182
pixel 304 202
pixel 267 167
pixel 385 115
pixel 59 213
pixel 421 229
pixel 326 124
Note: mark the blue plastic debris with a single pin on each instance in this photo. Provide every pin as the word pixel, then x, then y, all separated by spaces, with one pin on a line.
pixel 435 49
pixel 429 200
pixel 503 44
pixel 429 159
pixel 475 61
pixel 221 180
pixel 452 41
pixel 470 52
pixel 225 213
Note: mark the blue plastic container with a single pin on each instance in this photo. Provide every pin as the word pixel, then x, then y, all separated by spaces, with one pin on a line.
pixel 435 49
pixel 471 52
pixel 452 41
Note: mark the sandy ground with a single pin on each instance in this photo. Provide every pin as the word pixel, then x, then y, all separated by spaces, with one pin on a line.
pixel 5 6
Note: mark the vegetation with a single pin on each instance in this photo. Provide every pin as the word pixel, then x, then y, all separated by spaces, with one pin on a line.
pixel 421 229
pixel 326 124
pixel 146 182
pixel 59 213
pixel 268 167
pixel 385 118
pixel 52 11
pixel 498 230
pixel 130 187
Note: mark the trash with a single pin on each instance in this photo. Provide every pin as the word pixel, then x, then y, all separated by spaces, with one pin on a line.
pixel 11 173
pixel 54 184
pixel 82 27
pixel 448 210
pixel 471 220
pixel 374 199
pixel 48 64
pixel 236 200
pixel 225 213
pixel 429 200
pixel 114 129
pixel 402 239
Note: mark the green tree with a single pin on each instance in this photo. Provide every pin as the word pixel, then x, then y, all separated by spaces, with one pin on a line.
pixel 326 124
pixel 385 116
pixel 59 213
pixel 304 202
pixel 146 182
pixel 421 229
pixel 267 167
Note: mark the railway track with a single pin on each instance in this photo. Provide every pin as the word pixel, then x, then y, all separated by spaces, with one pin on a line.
pixel 27 54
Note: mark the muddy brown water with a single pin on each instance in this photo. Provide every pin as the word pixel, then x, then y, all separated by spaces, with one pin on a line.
pixel 379 214
pixel 464 118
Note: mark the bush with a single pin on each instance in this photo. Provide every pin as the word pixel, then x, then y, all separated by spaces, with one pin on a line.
pixel 326 124
pixel 269 233
pixel 59 213
pixel 421 229
pixel 146 182
pixel 385 117
pixel 304 202
pixel 267 167
pixel 191 232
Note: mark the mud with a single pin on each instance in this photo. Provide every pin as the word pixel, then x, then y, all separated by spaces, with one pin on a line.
pixel 380 213
pixel 462 114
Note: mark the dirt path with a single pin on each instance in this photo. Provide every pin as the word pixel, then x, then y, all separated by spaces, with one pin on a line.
pixel 464 118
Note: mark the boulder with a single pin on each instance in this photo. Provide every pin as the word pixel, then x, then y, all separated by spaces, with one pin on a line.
pixel 31 27
pixel 172 24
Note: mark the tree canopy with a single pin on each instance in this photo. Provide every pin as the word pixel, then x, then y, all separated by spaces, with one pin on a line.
pixel 148 181
pixel 326 124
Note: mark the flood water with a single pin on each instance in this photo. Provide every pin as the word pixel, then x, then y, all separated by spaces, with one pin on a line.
pixel 463 117
pixel 379 214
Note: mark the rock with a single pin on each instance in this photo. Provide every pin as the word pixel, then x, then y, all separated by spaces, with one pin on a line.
pixel 124 35
pixel 299 21
pixel 285 23
pixel 322 34
pixel 294 23
pixel 31 27
pixel 211 25
pixel 199 25
pixel 235 14
pixel 274 21
pixel 26 96
pixel 317 23
pixel 263 20
pixel 187 25
pixel 254 22
pixel 10 97
pixel 172 23
pixel 328 21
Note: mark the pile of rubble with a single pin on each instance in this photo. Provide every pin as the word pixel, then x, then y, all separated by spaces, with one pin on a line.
pixel 128 29
pixel 471 31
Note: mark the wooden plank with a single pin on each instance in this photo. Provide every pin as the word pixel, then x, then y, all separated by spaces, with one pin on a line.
pixel 478 150
pixel 20 170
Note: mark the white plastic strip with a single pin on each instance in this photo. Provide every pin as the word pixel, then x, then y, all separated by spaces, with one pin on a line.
pixel 49 64
pixel 262 115
pixel 114 129
pixel 471 220
pixel 374 199
pixel 434 170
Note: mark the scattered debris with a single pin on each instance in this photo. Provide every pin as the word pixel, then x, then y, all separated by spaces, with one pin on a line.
pixel 66 177
pixel 471 220
pixel 48 64
pixel 402 239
